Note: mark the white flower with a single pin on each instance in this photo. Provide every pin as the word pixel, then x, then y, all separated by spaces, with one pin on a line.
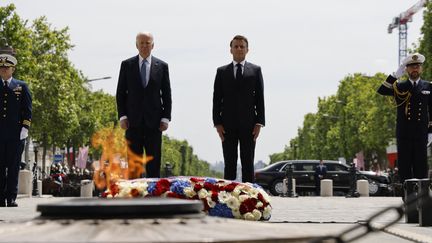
pixel 124 192
pixel 257 214
pixel 203 193
pixel 267 212
pixel 223 196
pixel 253 193
pixel 210 202
pixel 259 204
pixel 236 192
pixel 109 196
pixel 236 213
pixel 249 216
pixel 189 192
pixel 243 197
pixel 233 203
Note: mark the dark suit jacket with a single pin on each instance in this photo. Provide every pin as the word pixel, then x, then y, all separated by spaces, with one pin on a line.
pixel 238 104
pixel 320 171
pixel 15 109
pixel 414 114
pixel 144 105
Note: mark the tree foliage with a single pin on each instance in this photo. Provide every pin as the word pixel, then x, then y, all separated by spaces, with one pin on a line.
pixel 355 119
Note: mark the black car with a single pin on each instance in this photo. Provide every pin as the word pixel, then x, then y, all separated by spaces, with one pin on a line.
pixel 271 177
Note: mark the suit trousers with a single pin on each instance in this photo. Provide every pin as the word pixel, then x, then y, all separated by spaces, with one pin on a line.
pixel 412 158
pixel 150 139
pixel 247 153
pixel 9 169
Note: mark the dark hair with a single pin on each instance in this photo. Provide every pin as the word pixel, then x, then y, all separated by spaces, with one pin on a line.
pixel 240 37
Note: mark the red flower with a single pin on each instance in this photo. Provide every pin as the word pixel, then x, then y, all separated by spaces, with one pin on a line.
pixel 248 205
pixel 230 187
pixel 134 192
pixel 206 206
pixel 209 186
pixel 195 180
pixel 104 194
pixel 197 187
pixel 114 189
pixel 161 187
pixel 215 197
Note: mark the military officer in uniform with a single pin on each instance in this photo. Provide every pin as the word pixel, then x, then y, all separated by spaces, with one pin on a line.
pixel 413 100
pixel 15 117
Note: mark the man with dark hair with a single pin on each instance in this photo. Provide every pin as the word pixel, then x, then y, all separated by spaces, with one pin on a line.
pixel 238 109
pixel 413 99
pixel 15 118
pixel 320 173
pixel 144 102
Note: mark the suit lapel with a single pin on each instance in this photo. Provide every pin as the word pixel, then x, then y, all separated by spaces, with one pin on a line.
pixel 154 68
pixel 136 69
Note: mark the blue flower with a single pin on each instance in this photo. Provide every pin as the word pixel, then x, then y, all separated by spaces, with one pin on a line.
pixel 211 180
pixel 257 186
pixel 178 186
pixel 221 210
pixel 151 187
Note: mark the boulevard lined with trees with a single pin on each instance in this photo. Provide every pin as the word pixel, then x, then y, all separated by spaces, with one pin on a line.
pixel 356 118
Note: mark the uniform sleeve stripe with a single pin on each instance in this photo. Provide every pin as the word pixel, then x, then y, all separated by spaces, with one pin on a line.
pixel 388 85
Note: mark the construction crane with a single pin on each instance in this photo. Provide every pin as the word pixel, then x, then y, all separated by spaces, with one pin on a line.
pixel 401 23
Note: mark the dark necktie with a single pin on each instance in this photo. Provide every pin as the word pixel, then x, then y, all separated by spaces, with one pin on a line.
pixel 415 85
pixel 144 73
pixel 5 84
pixel 239 74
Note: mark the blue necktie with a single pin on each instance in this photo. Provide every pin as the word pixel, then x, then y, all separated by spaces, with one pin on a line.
pixel 144 73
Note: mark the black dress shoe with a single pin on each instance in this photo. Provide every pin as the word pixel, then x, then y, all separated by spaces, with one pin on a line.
pixel 2 203
pixel 12 204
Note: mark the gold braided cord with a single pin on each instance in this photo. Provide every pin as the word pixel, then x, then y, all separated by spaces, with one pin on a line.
pixel 403 96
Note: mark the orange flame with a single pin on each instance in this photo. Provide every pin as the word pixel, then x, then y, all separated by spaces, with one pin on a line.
pixel 112 164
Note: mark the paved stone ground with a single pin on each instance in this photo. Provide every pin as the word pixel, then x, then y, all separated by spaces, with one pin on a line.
pixel 320 215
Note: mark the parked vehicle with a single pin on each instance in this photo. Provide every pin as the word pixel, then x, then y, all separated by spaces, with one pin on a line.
pixel 271 177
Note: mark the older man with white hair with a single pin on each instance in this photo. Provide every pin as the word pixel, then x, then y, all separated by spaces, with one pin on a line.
pixel 144 102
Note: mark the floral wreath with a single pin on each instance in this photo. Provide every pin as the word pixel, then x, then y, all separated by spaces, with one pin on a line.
pixel 222 198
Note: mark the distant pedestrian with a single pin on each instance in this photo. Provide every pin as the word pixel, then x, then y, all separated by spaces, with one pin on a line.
pixel 320 173
pixel 413 100
pixel 15 117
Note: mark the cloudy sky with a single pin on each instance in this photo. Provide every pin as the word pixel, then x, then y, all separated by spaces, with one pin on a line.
pixel 304 48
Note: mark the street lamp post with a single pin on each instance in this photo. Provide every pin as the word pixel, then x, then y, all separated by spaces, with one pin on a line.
pixel 35 191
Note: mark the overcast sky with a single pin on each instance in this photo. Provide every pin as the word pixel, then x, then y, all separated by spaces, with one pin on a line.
pixel 304 48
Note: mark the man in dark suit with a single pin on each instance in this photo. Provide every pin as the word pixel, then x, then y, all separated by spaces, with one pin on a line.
pixel 238 109
pixel 413 99
pixel 144 102
pixel 320 172
pixel 15 117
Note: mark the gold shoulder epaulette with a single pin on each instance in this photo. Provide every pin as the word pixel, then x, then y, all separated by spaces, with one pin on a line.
pixel 26 122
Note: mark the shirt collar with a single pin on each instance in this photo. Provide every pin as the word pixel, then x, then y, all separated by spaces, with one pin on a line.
pixel 242 63
pixel 141 59
pixel 412 81
pixel 8 81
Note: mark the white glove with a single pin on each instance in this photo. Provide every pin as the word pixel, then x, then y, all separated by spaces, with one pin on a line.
pixel 24 133
pixel 400 72
pixel 429 139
